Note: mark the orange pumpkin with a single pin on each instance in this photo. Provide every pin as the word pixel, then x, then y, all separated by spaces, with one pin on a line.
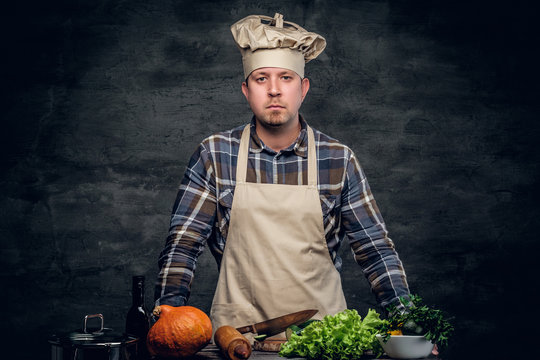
pixel 179 332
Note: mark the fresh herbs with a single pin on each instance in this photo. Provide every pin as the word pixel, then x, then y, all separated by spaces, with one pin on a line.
pixel 419 319
pixel 341 336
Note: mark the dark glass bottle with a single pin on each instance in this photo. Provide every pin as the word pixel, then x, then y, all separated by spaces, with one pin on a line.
pixel 138 319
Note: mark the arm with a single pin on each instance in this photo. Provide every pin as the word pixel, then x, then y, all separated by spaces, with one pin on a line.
pixel 373 250
pixel 191 225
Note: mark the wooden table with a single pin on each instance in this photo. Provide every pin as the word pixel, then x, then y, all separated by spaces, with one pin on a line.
pixel 212 352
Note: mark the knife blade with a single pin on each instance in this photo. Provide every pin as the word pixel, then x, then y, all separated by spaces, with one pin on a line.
pixel 276 325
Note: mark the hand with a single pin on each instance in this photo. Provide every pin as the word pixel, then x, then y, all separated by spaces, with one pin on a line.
pixel 435 350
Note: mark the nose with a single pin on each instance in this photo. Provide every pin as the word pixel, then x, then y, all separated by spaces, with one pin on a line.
pixel 273 87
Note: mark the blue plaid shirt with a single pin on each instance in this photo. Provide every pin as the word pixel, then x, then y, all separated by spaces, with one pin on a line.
pixel 202 210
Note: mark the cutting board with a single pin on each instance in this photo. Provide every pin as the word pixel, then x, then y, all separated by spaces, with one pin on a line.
pixel 270 345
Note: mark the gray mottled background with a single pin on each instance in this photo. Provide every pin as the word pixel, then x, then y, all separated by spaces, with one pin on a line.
pixel 103 102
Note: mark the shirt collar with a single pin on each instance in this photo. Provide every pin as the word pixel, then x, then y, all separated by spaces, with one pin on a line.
pixel 299 146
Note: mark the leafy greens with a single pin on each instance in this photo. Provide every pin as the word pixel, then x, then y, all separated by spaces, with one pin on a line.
pixel 419 319
pixel 341 336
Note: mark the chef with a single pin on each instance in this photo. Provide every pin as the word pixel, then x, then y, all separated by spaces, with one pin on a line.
pixel 275 199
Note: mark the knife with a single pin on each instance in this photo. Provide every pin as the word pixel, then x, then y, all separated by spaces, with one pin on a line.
pixel 276 325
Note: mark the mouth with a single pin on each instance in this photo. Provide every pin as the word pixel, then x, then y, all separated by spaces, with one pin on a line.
pixel 275 107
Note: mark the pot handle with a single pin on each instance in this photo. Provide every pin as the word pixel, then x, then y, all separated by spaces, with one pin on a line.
pixel 90 317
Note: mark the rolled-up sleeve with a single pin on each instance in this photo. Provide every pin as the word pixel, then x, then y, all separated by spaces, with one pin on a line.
pixel 373 250
pixel 191 223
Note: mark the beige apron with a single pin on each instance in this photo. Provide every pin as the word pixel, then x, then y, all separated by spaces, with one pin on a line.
pixel 276 259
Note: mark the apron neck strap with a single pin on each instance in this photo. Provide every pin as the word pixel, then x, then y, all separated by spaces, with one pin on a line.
pixel 312 158
pixel 242 160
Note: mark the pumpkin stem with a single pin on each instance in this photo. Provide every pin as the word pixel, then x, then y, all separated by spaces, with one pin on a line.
pixel 157 311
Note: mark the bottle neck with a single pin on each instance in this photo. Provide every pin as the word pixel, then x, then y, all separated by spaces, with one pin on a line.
pixel 138 292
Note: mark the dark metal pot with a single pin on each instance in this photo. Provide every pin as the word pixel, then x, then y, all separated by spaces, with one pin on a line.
pixel 98 344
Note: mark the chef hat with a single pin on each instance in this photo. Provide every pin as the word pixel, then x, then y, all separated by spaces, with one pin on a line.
pixel 272 42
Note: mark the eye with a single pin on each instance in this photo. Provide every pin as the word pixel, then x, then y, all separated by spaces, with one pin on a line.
pixel 260 79
pixel 286 77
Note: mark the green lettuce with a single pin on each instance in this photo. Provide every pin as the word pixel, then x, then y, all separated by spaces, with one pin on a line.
pixel 341 336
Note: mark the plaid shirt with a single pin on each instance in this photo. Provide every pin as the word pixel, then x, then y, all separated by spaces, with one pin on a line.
pixel 202 210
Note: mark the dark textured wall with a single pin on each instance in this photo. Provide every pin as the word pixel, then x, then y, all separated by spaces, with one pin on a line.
pixel 104 101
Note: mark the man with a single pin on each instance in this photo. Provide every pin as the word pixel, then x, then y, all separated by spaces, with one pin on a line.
pixel 275 199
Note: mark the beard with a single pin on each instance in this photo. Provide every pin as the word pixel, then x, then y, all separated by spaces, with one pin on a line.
pixel 276 119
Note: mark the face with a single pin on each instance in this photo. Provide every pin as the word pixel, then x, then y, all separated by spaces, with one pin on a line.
pixel 275 95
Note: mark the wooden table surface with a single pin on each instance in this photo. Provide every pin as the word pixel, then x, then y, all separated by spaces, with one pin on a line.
pixel 212 352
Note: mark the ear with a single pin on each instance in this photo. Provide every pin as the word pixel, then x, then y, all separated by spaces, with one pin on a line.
pixel 245 90
pixel 305 87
